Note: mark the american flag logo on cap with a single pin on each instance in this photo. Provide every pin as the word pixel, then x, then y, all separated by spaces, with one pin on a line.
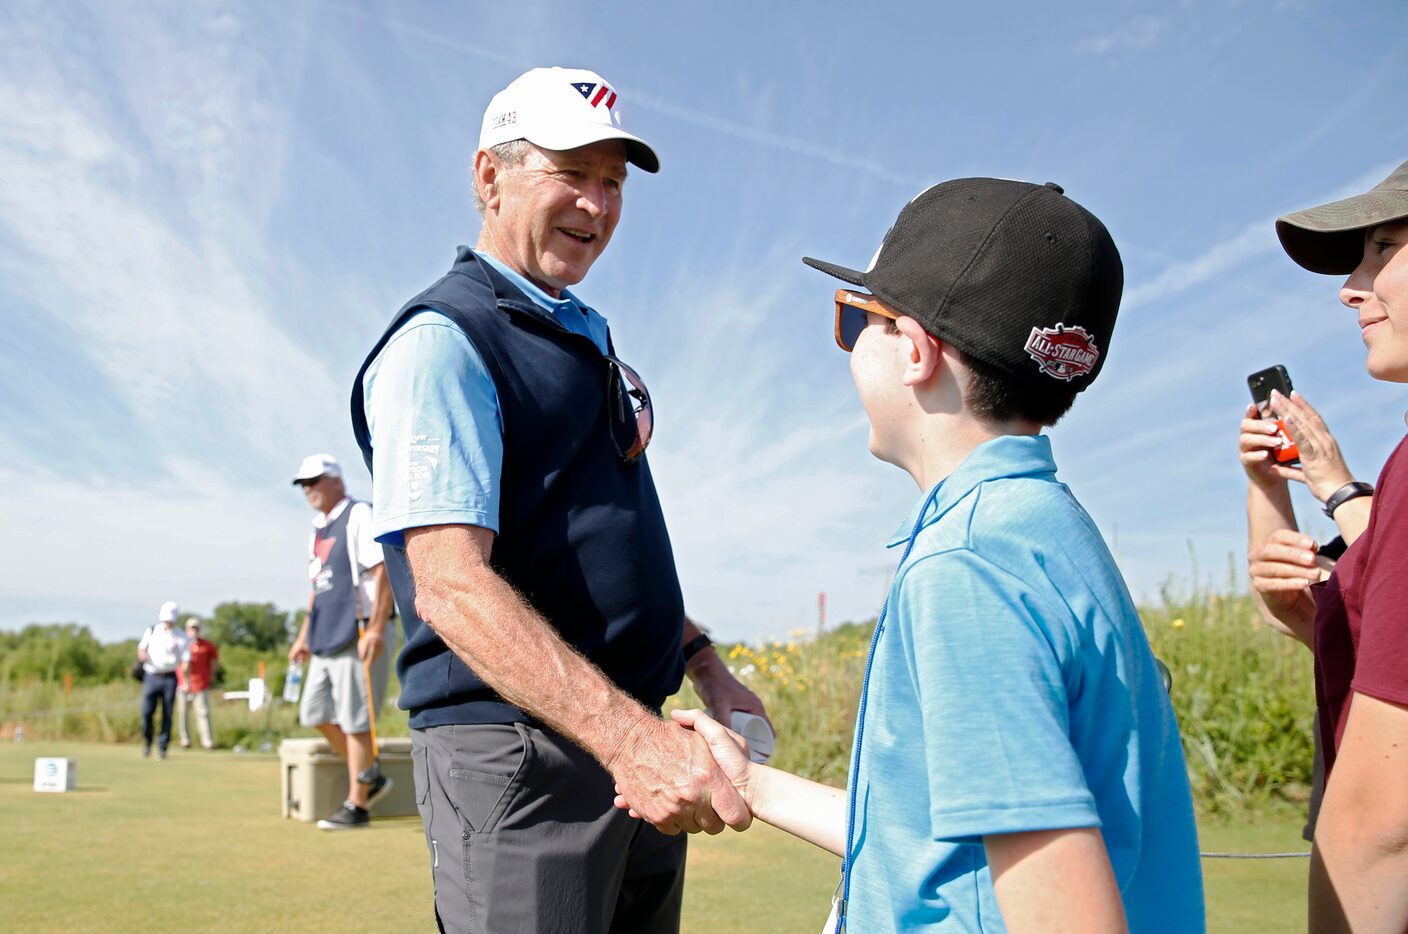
pixel 595 94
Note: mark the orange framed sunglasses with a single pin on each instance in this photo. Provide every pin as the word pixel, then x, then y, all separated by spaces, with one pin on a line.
pixel 851 309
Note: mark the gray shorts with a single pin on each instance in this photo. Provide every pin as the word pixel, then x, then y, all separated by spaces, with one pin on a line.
pixel 335 689
pixel 523 837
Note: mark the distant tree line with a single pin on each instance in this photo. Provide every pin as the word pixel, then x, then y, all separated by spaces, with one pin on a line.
pixel 244 632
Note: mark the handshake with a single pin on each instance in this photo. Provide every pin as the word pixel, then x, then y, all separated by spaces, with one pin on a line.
pixel 692 774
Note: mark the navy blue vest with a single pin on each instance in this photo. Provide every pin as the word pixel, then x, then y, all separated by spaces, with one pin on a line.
pixel 582 537
pixel 332 623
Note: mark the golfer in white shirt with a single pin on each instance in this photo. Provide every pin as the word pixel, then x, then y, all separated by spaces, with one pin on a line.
pixel 161 649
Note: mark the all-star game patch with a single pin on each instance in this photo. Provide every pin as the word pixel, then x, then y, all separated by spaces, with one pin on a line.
pixel 1062 352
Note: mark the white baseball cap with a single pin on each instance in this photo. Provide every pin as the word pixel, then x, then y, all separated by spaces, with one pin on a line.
pixel 317 465
pixel 559 109
pixel 168 613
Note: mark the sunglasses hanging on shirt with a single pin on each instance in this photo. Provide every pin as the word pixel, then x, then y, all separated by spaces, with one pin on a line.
pixel 632 418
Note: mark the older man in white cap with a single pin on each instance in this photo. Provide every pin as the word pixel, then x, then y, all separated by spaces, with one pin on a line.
pixel 525 542
pixel 161 650
pixel 343 636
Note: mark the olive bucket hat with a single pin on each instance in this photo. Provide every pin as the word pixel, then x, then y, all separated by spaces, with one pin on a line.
pixel 1330 238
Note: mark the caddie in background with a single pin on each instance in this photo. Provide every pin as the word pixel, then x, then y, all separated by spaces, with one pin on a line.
pixel 543 616
pixel 1017 764
pixel 343 637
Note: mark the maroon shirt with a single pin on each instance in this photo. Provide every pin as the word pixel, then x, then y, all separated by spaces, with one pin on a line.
pixel 1361 612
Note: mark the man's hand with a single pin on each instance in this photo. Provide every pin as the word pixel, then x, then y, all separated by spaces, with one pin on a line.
pixel 298 652
pixel 720 691
pixel 665 774
pixel 369 645
pixel 729 749
pixel 1282 569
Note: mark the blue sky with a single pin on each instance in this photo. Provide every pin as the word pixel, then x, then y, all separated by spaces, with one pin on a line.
pixel 210 210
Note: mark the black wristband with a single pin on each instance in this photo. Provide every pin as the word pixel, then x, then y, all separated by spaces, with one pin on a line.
pixel 696 645
pixel 1351 490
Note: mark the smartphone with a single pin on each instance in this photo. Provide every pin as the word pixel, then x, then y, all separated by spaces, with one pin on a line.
pixel 1261 383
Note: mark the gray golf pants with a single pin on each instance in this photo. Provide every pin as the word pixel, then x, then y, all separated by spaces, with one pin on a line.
pixel 523 837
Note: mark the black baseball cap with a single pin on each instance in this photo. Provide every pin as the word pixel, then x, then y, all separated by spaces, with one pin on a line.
pixel 1330 238
pixel 1013 274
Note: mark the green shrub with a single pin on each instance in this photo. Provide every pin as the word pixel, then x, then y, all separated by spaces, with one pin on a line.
pixel 1245 699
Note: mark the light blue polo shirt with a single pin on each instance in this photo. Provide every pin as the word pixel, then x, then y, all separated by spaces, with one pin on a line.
pixel 1013 690
pixel 433 415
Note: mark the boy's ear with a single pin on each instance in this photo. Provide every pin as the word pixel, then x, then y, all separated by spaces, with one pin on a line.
pixel 925 352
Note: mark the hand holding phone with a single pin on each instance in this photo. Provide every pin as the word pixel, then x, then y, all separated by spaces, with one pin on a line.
pixel 1262 383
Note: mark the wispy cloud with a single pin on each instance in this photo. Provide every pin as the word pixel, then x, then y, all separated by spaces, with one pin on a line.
pixel 137 184
pixel 140 237
pixel 792 145
pixel 1136 35
pixel 788 144
pixel 1255 240
pixel 89 543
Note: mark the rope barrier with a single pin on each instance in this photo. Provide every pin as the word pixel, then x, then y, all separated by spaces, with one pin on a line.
pixel 1297 854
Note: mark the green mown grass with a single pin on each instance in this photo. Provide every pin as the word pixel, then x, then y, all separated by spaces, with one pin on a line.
pixel 196 843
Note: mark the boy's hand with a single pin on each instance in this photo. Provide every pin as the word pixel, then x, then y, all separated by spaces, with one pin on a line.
pixel 729 750
pixel 667 775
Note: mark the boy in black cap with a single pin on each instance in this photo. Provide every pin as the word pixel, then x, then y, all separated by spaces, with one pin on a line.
pixel 1017 763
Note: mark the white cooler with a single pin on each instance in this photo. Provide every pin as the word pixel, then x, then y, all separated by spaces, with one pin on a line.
pixel 314 780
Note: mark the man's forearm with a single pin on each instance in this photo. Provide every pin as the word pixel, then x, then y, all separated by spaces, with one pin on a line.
pixel 703 657
pixel 517 653
pixel 381 602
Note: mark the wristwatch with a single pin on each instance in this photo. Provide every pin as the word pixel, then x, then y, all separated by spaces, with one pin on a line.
pixel 1351 490
pixel 696 645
